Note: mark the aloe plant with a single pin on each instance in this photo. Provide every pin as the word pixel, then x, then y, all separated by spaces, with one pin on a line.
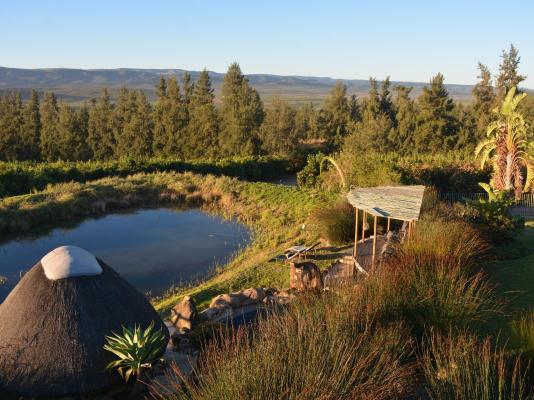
pixel 136 349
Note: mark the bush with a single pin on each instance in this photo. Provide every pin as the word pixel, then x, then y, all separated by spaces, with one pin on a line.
pixel 323 347
pixel 309 176
pixel 461 367
pixel 494 218
pixel 336 223
pixel 24 177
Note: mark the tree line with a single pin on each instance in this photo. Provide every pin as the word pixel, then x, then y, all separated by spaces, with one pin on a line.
pixel 185 123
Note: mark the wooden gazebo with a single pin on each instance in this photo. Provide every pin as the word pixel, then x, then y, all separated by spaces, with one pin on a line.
pixel 401 203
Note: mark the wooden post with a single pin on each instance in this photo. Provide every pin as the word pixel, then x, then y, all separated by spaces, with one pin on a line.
pixel 389 225
pixel 363 226
pixel 356 236
pixel 374 242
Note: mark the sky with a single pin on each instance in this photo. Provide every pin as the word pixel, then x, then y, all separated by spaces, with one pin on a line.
pixel 406 40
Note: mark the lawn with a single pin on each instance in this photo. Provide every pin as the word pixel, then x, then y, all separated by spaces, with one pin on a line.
pixel 513 273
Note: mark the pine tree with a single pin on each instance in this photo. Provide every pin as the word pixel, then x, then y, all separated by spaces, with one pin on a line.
pixel 100 128
pixel 136 138
pixel 161 115
pixel 485 101
pixel 170 123
pixel 203 129
pixel 436 124
pixel 336 113
pixel 306 122
pixel 508 72
pixel 279 133
pixel 405 116
pixel 31 131
pixel 72 133
pixel 241 114
pixel 11 121
pixel 188 87
pixel 374 129
pixel 50 139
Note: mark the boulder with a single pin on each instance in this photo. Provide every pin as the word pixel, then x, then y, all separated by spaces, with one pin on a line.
pixel 228 300
pixel 305 276
pixel 184 314
pixel 256 295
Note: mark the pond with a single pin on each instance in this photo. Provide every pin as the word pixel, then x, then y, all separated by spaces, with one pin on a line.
pixel 152 249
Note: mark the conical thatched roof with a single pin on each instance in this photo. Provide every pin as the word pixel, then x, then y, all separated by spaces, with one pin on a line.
pixel 53 325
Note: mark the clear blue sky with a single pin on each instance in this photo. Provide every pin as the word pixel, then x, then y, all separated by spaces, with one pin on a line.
pixel 408 40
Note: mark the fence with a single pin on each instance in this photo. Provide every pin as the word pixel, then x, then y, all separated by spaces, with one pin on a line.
pixel 523 207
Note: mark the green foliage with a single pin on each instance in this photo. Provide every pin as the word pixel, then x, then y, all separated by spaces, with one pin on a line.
pixel 24 177
pixel 485 98
pixel 135 349
pixel 309 175
pixel 436 123
pixel 493 215
pixel 279 132
pixel 203 125
pixel 100 128
pixel 509 76
pixel 241 114
pixel 335 223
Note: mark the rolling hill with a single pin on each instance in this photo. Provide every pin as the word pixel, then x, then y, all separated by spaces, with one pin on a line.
pixel 77 85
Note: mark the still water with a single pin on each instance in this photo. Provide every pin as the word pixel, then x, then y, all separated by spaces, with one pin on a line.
pixel 152 249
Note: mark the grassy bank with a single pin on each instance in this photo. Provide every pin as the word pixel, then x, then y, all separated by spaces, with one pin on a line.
pixel 24 177
pixel 275 213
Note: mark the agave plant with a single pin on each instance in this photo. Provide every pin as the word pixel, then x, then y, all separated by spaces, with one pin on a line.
pixel 136 349
pixel 506 146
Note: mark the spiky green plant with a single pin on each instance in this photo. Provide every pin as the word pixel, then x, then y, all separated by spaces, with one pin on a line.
pixel 506 146
pixel 135 348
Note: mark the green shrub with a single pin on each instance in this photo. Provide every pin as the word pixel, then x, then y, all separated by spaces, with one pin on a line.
pixel 323 347
pixel 336 223
pixel 309 176
pixel 24 177
pixel 460 367
pixel 494 218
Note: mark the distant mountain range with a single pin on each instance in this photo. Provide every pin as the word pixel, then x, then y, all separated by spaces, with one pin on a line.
pixel 77 85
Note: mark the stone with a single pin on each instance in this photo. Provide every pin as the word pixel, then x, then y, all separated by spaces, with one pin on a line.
pixel 184 314
pixel 305 276
pixel 255 294
pixel 228 300
pixel 213 313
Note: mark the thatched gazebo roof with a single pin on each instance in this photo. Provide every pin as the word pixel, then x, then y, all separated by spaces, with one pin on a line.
pixel 54 322
pixel 395 202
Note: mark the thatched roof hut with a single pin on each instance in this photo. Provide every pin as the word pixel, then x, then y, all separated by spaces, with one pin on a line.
pixel 53 325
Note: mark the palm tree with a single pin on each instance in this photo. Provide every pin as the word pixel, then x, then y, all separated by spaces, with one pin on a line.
pixel 507 147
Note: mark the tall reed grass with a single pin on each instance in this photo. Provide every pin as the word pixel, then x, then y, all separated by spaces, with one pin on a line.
pixel 324 347
pixel 462 367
